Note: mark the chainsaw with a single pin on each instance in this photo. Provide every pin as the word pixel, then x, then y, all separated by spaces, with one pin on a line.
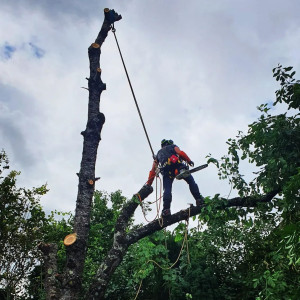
pixel 185 172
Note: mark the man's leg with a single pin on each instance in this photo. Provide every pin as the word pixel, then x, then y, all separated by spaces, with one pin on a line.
pixel 167 197
pixel 194 190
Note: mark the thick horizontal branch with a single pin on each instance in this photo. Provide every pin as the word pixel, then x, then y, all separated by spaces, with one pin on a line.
pixel 252 201
pixel 157 225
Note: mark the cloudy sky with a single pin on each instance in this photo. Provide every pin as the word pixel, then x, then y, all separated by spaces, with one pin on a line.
pixel 199 69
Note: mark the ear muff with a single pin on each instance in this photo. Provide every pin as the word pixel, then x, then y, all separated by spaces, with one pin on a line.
pixel 164 142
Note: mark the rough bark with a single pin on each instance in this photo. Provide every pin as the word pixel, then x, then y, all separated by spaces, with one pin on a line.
pixel 50 265
pixel 76 252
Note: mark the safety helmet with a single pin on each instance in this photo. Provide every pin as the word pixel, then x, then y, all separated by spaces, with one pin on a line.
pixel 165 142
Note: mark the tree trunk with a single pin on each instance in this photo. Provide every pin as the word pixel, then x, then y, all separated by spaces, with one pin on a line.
pixel 50 266
pixel 76 252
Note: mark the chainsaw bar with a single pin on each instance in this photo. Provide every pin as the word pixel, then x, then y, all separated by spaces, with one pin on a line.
pixel 186 173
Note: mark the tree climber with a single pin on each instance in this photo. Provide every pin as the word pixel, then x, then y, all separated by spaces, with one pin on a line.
pixel 168 161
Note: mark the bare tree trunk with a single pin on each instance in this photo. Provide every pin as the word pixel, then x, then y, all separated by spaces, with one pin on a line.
pixel 76 252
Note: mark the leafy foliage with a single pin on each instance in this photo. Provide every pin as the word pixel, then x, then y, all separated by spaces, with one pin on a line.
pixel 21 221
pixel 103 220
pixel 24 226
pixel 272 145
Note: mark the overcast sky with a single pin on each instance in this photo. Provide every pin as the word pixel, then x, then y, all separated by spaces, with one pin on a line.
pixel 198 68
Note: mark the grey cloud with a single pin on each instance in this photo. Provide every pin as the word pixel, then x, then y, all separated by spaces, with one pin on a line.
pixel 61 11
pixel 13 140
pixel 15 107
pixel 16 100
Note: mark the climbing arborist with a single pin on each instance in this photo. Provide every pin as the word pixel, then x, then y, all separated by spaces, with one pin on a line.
pixel 169 162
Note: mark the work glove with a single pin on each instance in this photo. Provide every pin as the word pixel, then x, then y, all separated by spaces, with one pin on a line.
pixel 191 163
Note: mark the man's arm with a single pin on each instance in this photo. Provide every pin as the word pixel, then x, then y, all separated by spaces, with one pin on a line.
pixel 152 173
pixel 184 156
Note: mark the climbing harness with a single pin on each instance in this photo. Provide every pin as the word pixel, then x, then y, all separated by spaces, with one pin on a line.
pixel 137 106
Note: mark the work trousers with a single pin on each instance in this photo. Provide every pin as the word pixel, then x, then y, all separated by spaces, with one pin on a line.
pixel 167 184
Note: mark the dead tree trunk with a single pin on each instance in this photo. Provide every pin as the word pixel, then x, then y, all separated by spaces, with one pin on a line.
pixel 76 252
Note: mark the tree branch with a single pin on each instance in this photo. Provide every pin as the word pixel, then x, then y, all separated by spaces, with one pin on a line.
pixel 154 226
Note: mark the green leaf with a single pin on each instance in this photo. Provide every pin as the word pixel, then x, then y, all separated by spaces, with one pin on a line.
pixel 214 161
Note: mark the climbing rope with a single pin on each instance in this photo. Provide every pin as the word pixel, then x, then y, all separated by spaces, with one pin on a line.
pixel 145 130
pixel 185 242
pixel 158 204
pixel 137 106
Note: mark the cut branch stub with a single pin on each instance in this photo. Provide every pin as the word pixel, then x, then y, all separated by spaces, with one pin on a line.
pixel 70 239
pixel 145 191
pixel 95 45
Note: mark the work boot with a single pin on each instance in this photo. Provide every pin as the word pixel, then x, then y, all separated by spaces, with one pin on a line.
pixel 200 201
pixel 166 212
